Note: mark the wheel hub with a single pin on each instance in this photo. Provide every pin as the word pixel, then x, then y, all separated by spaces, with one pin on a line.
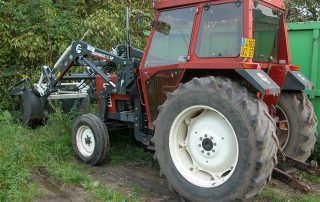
pixel 85 141
pixel 207 144
pixel 88 140
pixel 203 146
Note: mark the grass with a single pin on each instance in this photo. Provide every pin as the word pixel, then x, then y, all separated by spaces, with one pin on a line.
pixel 307 176
pixel 274 195
pixel 25 151
pixel 136 190
pixel 130 154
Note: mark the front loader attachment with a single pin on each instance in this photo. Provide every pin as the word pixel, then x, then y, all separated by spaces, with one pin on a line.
pixel 71 88
pixel 31 106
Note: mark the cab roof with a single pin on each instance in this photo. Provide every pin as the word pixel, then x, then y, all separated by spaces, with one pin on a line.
pixel 164 4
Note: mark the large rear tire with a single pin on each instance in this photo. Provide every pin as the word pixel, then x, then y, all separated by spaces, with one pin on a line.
pixel 90 139
pixel 215 141
pixel 298 133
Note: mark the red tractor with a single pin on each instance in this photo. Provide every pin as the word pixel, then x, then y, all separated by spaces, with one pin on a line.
pixel 214 94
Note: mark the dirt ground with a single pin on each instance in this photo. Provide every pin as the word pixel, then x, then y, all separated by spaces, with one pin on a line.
pixel 153 188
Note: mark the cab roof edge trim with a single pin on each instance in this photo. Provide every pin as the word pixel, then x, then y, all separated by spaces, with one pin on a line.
pixel 164 4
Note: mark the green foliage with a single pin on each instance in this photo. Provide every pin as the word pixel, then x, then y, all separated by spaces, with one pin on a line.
pixel 274 195
pixel 316 152
pixel 309 10
pixel 129 154
pixel 36 32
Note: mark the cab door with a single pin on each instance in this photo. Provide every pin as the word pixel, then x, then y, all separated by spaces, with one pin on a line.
pixel 167 48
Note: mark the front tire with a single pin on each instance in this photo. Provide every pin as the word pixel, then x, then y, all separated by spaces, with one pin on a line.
pixel 237 139
pixel 90 139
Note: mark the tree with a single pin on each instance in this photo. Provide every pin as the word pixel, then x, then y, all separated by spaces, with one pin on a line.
pixel 309 10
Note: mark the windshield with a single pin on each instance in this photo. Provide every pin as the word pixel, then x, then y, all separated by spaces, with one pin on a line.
pixel 171 39
pixel 266 33
pixel 221 31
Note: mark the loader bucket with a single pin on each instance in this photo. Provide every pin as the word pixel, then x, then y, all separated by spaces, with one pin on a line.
pixel 32 108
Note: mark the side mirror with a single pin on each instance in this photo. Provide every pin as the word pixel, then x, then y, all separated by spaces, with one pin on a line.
pixel 292 12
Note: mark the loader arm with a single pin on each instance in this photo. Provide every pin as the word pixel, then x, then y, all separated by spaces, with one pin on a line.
pixel 79 50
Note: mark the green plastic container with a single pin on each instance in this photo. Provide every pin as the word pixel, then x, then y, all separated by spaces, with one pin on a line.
pixel 305 49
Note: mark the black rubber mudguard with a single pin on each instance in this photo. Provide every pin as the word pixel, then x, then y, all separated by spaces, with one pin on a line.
pixel 260 80
pixel 295 80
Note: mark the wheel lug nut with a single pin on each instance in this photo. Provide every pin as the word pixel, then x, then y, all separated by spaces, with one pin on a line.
pixel 213 150
pixel 199 145
pixel 206 135
pixel 202 151
pixel 211 138
pixel 208 153
pixel 214 144
pixel 191 169
pixel 200 138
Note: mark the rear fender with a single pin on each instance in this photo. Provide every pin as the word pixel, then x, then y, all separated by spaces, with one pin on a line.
pixel 295 80
pixel 260 81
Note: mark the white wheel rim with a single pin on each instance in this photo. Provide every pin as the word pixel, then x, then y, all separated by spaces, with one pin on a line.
pixel 85 141
pixel 203 146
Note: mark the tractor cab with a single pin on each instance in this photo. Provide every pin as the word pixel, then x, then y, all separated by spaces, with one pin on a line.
pixel 244 39
pixel 213 31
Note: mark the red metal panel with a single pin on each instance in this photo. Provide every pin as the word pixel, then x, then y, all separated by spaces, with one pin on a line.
pixel 163 4
pixel 278 74
pixel 284 49
pixel 112 108
pixel 114 97
pixel 211 64
pixel 276 3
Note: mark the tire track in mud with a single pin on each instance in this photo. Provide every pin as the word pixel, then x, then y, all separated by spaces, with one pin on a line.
pixel 123 178
pixel 54 192
pixel 155 188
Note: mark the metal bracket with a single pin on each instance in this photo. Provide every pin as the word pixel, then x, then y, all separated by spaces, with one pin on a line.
pixel 311 168
pixel 290 180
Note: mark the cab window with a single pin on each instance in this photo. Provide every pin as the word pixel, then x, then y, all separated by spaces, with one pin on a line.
pixel 266 24
pixel 220 31
pixel 171 39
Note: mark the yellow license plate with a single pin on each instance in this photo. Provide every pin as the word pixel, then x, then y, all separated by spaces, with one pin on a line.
pixel 247 48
